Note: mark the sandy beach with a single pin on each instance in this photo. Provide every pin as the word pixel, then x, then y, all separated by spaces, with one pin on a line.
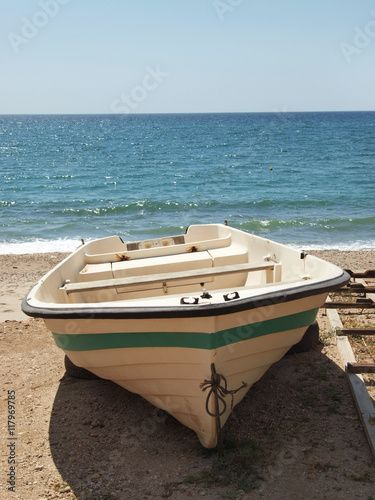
pixel 92 439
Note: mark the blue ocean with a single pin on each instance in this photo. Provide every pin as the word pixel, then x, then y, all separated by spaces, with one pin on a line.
pixel 304 179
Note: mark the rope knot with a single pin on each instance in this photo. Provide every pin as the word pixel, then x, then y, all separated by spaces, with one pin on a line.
pixel 219 387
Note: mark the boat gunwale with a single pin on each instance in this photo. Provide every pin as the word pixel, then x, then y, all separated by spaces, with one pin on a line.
pixel 185 311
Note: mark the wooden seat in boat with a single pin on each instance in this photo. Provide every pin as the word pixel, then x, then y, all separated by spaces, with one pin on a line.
pixel 166 277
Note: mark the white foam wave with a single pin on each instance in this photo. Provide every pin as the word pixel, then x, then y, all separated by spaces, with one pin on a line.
pixel 342 247
pixel 69 245
pixel 39 246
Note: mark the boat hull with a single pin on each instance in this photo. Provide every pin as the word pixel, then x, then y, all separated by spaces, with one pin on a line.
pixel 156 316
pixel 166 361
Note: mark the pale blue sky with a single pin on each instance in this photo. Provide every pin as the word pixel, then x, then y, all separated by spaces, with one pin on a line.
pixel 147 56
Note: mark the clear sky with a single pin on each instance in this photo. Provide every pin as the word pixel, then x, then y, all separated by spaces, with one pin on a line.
pixel 177 56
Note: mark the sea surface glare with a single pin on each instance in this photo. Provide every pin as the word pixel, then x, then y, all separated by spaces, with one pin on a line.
pixel 304 179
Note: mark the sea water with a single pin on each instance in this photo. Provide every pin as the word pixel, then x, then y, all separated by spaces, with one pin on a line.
pixel 304 179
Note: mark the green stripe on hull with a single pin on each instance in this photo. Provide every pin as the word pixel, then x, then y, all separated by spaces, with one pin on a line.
pixel 194 340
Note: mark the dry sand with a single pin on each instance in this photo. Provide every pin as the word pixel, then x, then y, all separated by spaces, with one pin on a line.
pixel 91 439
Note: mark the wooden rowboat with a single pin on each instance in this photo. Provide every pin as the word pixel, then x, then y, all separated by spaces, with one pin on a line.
pixel 189 322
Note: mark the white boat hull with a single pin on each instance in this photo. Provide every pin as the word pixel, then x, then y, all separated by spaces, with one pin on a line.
pixel 170 377
pixel 153 342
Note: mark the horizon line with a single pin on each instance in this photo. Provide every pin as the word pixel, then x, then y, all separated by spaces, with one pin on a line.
pixel 189 113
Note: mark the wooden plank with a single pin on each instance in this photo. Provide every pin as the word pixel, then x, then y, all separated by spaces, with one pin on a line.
pixel 357 288
pixel 356 331
pixel 369 295
pixel 349 305
pixel 360 367
pixel 333 316
pixel 357 386
pixel 364 405
pixel 368 273
pixel 166 277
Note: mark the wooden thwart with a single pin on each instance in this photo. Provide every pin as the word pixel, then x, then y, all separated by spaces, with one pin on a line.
pixel 166 277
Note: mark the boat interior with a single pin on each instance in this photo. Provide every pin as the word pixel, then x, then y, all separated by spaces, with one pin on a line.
pixel 207 258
